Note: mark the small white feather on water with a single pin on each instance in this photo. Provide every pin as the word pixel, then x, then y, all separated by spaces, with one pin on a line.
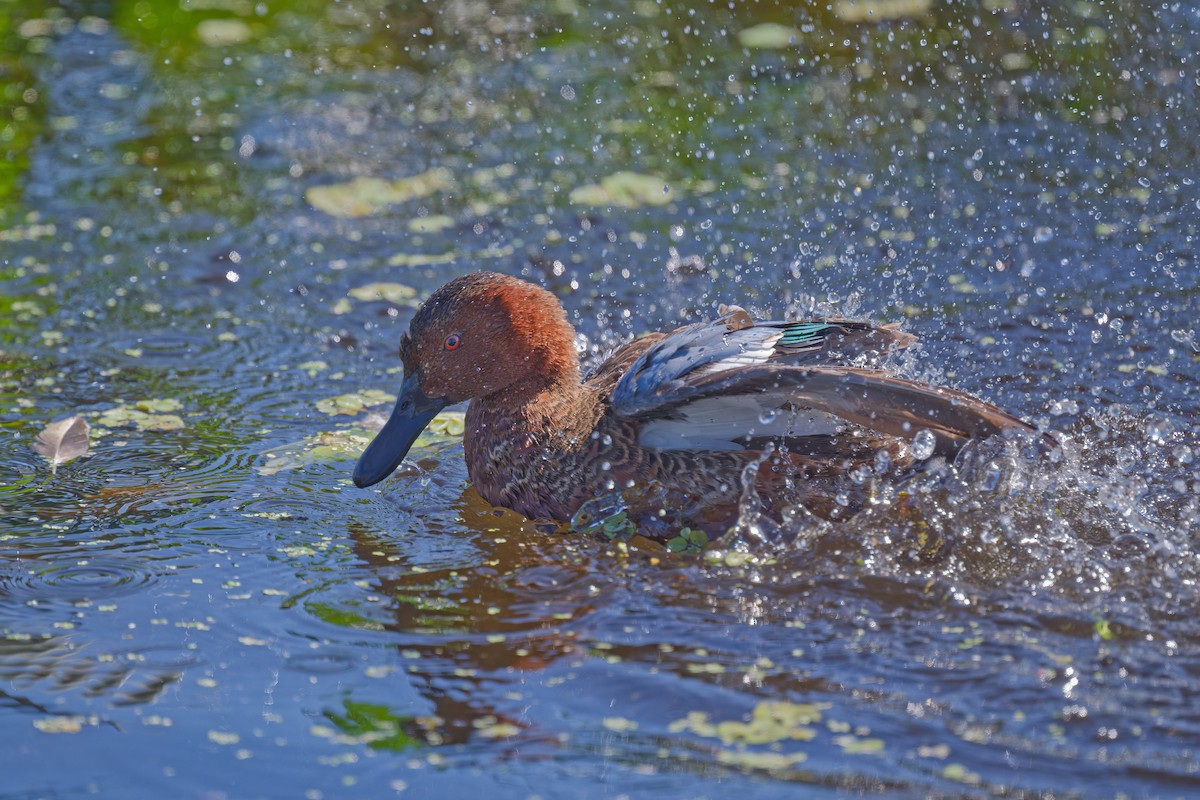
pixel 63 440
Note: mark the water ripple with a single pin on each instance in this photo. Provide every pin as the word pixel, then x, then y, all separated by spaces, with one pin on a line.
pixel 74 581
pixel 320 663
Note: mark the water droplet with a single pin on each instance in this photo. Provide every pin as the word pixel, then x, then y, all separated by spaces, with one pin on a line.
pixel 990 478
pixel 1158 428
pixel 768 415
pixel 923 444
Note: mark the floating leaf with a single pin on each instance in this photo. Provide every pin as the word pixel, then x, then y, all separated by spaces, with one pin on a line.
pixel 771 721
pixel 959 773
pixel 319 449
pixel 222 32
pixel 391 292
pixel 354 402
pixel 431 224
pixel 853 746
pixel 689 539
pixel 449 423
pixel 162 406
pixel 768 36
pixel 60 724
pixel 619 724
pixel 145 420
pixel 880 10
pixel 627 189
pixel 63 440
pixel 751 759
pixel 498 730
pixel 365 196
pixel 422 259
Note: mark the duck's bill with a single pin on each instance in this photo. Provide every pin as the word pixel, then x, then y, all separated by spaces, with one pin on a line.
pixel 389 447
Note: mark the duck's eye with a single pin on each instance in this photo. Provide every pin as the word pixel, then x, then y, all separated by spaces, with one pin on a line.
pixel 453 341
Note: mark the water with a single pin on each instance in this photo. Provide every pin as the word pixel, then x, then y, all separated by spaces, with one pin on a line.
pixel 205 606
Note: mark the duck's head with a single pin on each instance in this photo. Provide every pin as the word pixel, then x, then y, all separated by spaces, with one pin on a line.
pixel 480 335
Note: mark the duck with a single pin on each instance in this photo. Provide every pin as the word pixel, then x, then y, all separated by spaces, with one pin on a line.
pixel 701 414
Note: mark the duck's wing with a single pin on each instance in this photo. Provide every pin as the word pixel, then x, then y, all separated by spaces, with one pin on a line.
pixel 672 362
pixel 702 388
pixel 605 376
pixel 745 405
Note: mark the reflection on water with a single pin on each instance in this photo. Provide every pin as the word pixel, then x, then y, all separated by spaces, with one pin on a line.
pixel 1014 182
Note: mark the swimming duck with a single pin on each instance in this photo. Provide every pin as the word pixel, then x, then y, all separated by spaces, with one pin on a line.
pixel 687 411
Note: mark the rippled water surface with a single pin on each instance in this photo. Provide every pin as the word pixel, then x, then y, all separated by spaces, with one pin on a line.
pixel 216 219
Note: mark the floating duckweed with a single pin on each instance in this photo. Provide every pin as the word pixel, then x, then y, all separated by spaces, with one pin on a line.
pixel 223 32
pixel 737 559
pixel 391 292
pixel 770 721
pixel 422 259
pixel 768 36
pixel 690 540
pixel 313 367
pixel 431 224
pixel 448 423
pixel 624 189
pixel 852 745
pixel 62 724
pixel 619 724
pixel 616 525
pixel 159 406
pixel 354 402
pixel 224 738
pixel 146 415
pixel 880 10
pixel 365 196
pixel 960 774
pixel 498 730
pixel 959 283
pixel 751 759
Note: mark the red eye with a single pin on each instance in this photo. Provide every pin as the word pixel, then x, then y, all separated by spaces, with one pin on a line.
pixel 453 341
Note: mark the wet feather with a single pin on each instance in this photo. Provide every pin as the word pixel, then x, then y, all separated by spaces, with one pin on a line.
pixel 63 440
